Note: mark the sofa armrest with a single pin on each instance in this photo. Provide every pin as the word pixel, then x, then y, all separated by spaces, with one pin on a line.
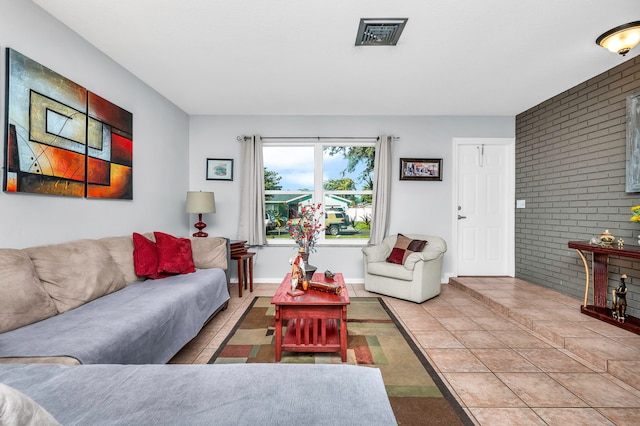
pixel 423 256
pixel 377 253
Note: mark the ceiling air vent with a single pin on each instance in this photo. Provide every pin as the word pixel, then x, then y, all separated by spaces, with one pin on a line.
pixel 380 32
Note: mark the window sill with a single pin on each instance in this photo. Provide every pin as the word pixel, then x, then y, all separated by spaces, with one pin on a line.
pixel 331 243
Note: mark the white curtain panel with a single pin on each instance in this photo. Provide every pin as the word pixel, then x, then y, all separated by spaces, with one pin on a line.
pixel 251 226
pixel 381 190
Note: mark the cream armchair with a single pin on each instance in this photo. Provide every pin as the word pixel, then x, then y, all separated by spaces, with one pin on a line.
pixel 417 280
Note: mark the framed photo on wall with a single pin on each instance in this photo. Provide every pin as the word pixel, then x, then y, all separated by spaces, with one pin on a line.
pixel 421 169
pixel 219 169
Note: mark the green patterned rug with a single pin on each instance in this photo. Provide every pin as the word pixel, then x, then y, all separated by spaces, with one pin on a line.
pixel 375 339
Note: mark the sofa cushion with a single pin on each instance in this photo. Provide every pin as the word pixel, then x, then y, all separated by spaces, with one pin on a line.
pixel 403 248
pixel 17 408
pixel 174 254
pixel 390 270
pixel 22 298
pixel 121 250
pixel 210 252
pixel 77 272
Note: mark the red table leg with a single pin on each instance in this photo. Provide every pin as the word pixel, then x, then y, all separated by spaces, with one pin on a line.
pixel 240 276
pixel 250 261
pixel 278 334
pixel 343 334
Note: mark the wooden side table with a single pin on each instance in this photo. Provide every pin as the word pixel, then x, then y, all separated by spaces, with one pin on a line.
pixel 245 270
pixel 600 267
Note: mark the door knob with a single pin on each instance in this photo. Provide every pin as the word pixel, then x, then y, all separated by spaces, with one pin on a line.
pixel 461 217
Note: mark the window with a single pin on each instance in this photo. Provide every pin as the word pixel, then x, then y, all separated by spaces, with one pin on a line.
pixel 338 174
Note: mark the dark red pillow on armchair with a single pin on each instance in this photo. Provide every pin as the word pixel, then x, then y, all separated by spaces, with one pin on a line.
pixel 403 248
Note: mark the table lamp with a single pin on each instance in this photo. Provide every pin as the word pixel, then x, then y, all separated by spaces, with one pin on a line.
pixel 200 202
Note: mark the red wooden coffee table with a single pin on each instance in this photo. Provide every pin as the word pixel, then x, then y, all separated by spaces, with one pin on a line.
pixel 316 321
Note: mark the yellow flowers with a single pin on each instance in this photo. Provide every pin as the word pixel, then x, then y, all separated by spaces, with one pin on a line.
pixel 636 214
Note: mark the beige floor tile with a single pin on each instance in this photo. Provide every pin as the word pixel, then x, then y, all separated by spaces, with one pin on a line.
pixel 506 416
pixel 443 311
pixel 608 329
pixel 478 339
pixel 456 360
pixel 204 356
pixel 572 416
pixel 519 339
pixel 436 339
pixel 553 360
pixel 540 390
pixel 474 310
pixel 461 301
pixel 483 390
pixel 600 350
pixel 622 416
pixel 497 323
pixel 422 323
pixel 558 330
pixel 632 342
pixel 459 323
pixel 597 390
pixel 504 360
pixel 627 371
pixel 564 327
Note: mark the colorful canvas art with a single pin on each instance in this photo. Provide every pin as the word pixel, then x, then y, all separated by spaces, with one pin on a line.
pixel 62 139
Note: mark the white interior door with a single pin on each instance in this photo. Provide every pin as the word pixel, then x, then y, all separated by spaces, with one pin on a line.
pixel 484 207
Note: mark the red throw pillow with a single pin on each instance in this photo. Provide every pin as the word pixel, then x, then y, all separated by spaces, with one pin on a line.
pixel 174 254
pixel 145 257
pixel 403 248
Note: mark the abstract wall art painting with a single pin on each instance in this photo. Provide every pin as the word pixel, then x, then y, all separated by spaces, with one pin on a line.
pixel 62 139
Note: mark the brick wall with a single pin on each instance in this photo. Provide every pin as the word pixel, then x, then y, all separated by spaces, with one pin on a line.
pixel 570 169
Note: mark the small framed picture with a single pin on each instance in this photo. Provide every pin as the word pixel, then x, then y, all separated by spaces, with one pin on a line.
pixel 219 169
pixel 421 169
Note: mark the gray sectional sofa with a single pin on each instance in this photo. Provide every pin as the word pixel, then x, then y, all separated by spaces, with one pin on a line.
pixel 81 302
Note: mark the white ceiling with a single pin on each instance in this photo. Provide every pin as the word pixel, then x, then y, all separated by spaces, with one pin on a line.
pixel 298 57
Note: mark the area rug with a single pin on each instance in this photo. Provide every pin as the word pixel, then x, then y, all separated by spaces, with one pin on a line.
pixel 375 339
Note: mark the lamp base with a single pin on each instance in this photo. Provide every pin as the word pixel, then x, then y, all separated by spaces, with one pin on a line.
pixel 200 225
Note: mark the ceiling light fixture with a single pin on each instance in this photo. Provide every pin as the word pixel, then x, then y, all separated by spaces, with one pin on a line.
pixel 621 39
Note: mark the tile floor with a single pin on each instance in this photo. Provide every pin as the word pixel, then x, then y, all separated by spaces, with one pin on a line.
pixel 513 353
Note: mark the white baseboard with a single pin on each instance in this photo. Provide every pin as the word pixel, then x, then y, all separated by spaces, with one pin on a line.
pixel 447 276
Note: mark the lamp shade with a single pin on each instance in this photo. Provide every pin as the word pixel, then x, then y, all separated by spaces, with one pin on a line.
pixel 200 202
pixel 621 39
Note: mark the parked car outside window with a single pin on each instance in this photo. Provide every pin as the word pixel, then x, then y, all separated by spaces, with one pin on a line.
pixel 335 221
pixel 269 221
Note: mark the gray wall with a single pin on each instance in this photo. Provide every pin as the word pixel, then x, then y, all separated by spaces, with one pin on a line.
pixel 570 169
pixel 416 207
pixel 160 142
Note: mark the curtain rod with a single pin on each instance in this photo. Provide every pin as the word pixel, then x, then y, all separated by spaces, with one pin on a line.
pixel 242 138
